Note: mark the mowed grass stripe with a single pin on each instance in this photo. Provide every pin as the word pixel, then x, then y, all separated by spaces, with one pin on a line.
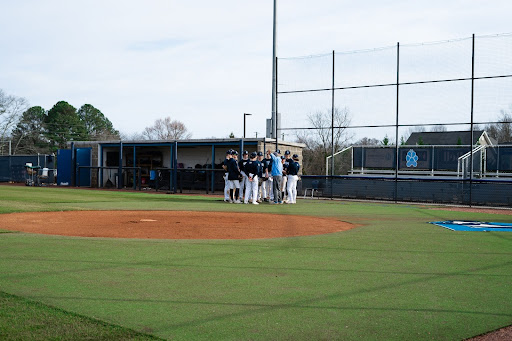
pixel 22 319
pixel 395 277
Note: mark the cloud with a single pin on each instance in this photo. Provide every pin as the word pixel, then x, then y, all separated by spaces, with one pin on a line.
pixel 156 45
pixel 202 62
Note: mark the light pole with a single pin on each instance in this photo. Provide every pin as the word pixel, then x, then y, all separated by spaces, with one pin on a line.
pixel 245 115
pixel 274 73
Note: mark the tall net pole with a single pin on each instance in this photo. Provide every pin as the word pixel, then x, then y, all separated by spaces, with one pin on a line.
pixel 397 152
pixel 472 121
pixel 332 123
pixel 274 72
pixel 276 108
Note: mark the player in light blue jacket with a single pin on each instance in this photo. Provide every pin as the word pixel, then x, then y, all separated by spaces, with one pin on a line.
pixel 277 175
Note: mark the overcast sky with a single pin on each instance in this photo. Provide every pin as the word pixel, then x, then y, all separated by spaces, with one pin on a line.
pixel 202 62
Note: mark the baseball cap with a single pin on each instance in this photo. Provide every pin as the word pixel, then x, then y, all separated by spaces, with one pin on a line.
pixel 295 156
pixel 253 155
pixel 278 151
pixel 282 157
pixel 260 153
pixel 245 152
pixel 234 152
pixel 230 151
pixel 287 152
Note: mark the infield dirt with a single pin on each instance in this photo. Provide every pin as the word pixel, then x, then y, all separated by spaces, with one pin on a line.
pixel 171 224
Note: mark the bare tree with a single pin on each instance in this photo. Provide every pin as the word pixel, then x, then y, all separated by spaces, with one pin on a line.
pixel 322 132
pixel 131 136
pixel 166 129
pixel 502 131
pixel 368 141
pixel 318 139
pixel 438 129
pixel 11 109
pixel 408 133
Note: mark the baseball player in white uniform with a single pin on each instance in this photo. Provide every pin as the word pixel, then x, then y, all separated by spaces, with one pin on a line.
pixel 225 177
pixel 251 190
pixel 262 179
pixel 293 177
pixel 245 179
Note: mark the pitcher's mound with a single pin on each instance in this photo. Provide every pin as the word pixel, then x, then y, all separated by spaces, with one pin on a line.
pixel 171 224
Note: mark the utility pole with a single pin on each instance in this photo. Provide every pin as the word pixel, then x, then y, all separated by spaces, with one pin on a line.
pixel 245 115
pixel 274 52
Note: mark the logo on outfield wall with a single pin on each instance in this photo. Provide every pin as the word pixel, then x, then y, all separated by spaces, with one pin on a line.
pixel 459 225
pixel 411 158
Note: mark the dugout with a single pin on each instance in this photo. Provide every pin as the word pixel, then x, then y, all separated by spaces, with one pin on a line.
pixel 193 164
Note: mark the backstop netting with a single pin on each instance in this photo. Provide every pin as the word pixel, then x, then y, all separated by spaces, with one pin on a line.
pixel 360 112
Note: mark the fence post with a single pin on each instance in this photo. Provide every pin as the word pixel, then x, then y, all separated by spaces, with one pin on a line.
pixel 397 164
pixel 134 165
pixel 498 162
pixel 352 161
pixel 139 170
pixel 73 165
pixel 362 159
pixel 471 143
pixel 332 125
pixel 176 163
pixel 207 179
pixel 120 167
pixel 274 72
pixel 172 180
pixel 213 168
pixel 275 104
pixel 432 162
pixel 11 177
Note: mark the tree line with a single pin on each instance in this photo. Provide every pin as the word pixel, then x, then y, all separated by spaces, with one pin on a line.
pixel 45 131
pixel 33 129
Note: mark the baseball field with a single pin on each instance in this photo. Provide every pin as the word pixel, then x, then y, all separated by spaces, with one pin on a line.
pixel 88 264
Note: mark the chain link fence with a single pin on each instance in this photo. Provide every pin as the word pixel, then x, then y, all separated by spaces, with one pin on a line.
pixel 407 122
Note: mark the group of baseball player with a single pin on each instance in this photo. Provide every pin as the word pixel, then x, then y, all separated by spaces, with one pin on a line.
pixel 255 178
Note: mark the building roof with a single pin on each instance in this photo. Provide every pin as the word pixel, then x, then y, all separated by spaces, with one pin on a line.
pixel 212 141
pixel 445 138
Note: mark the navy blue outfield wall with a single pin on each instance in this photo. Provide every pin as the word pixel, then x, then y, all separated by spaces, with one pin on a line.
pixel 12 168
pixel 437 158
pixel 429 190
pixel 485 192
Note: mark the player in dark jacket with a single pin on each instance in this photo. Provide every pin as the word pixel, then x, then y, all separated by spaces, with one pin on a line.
pixel 268 184
pixel 287 158
pixel 293 177
pixel 252 168
pixel 262 192
pixel 233 178
pixel 241 166
pixel 225 177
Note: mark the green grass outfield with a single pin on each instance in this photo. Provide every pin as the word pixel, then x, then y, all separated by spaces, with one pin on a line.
pixel 396 277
